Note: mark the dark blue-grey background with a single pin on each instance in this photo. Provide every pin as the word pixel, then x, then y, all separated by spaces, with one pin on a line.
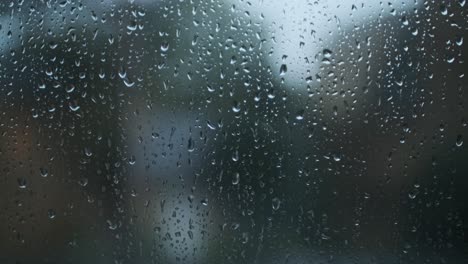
pixel 233 131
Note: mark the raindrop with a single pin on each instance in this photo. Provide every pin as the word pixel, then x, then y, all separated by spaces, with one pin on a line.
pixel 44 172
pixel 327 53
pixel 53 45
pixel 399 82
pixel 42 85
pixel 51 213
pixel 236 178
pixel 22 183
pixel 412 195
pixel 129 83
pixel 122 73
pixel 70 88
pixel 283 69
pixel 235 155
pixel 336 157
pixel 132 26
pixel 131 160
pixel 111 225
pixel 459 41
pixel 210 126
pixel 164 46
pixel 190 145
pixel 83 182
pixel 236 107
pixel 275 203
pixel 190 198
pixel 443 10
pixel 74 106
pixel 300 115
pixel 88 152
pixel 459 141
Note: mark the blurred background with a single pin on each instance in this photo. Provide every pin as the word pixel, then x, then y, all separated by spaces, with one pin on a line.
pixel 233 131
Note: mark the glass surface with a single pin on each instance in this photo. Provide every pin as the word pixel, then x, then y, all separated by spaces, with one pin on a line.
pixel 223 131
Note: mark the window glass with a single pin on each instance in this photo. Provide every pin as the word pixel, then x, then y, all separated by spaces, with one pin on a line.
pixel 233 131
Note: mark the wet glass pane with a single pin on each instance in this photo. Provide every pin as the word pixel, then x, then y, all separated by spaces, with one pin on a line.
pixel 233 131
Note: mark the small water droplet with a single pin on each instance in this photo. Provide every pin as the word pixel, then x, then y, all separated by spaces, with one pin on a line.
pixel 74 106
pixel 283 69
pixel 336 157
pixel 236 107
pixel 327 53
pixel 129 83
pixel 70 88
pixel 459 41
pixel 132 26
pixel 300 115
pixel 111 225
pixel 44 172
pixel 275 203
pixel 399 82
pixel 443 9
pixel 459 141
pixel 236 178
pixel 164 46
pixel 131 160
pixel 191 197
pixel 83 182
pixel 41 85
pixel 190 145
pixel 22 183
pixel 88 152
pixel 53 45
pixel 235 155
pixel 51 213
